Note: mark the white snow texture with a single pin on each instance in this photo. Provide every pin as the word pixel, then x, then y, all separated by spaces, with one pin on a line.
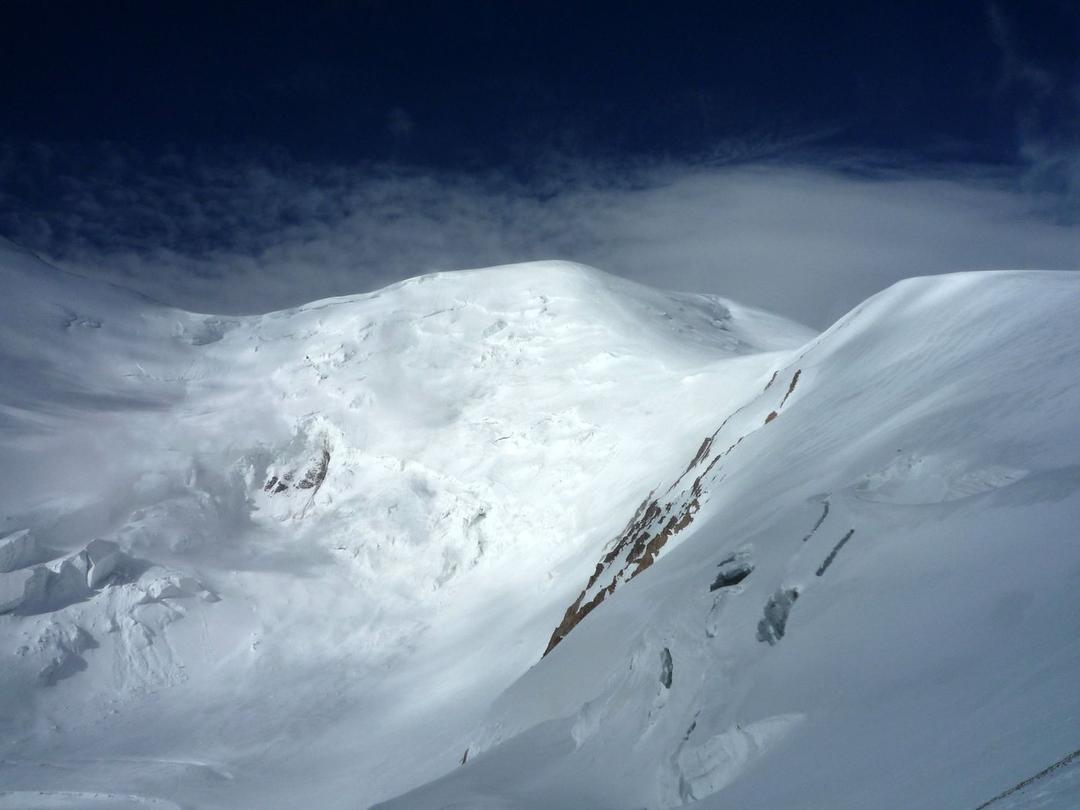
pixel 314 558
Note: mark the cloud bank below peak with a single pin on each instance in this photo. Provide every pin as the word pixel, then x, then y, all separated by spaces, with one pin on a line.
pixel 808 240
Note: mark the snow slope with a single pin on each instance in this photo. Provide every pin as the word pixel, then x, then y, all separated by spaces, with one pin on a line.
pixel 315 558
pixel 290 560
pixel 869 598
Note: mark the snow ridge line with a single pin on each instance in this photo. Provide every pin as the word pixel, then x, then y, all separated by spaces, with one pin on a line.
pixel 637 547
pixel 1061 763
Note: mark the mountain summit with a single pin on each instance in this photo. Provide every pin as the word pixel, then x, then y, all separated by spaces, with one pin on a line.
pixel 536 536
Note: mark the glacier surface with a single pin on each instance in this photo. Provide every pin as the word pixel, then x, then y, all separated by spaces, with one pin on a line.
pixel 315 557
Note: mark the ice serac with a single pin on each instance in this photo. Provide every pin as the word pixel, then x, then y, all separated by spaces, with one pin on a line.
pixel 19 550
pixel 873 605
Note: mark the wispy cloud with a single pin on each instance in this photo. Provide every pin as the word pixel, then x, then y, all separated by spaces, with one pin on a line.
pixel 809 239
pixel 1016 68
pixel 1048 106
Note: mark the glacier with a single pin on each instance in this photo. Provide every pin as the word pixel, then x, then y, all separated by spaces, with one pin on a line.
pixel 536 536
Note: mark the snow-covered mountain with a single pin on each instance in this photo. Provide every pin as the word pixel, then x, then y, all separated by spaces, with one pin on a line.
pixel 535 537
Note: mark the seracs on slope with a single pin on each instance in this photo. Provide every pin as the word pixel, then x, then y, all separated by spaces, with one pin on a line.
pixel 291 559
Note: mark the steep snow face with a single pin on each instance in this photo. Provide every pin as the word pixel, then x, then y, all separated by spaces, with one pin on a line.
pixel 860 592
pixel 291 559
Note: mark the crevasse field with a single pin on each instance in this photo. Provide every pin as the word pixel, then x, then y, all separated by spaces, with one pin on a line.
pixel 314 558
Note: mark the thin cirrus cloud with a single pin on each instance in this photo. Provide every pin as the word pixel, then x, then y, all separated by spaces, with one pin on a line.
pixel 808 240
pixel 1047 108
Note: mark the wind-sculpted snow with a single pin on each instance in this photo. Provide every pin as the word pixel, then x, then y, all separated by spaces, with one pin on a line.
pixel 873 604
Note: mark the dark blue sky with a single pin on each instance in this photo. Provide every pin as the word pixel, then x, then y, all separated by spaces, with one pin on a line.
pixel 462 84
pixel 240 157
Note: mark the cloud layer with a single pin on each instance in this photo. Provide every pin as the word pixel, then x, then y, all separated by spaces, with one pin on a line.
pixel 808 239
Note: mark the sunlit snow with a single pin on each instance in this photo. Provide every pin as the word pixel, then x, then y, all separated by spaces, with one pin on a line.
pixel 313 558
